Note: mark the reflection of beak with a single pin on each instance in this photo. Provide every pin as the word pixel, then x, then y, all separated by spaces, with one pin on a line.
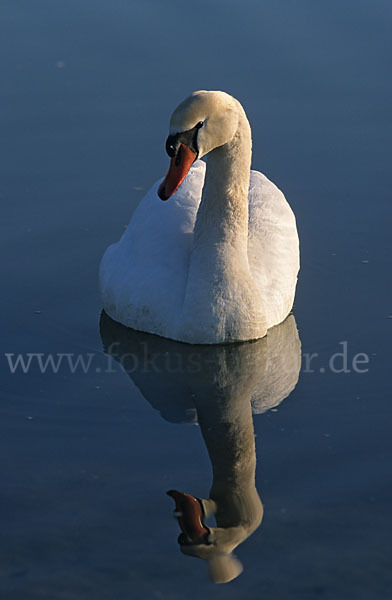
pixel 179 167
pixel 189 513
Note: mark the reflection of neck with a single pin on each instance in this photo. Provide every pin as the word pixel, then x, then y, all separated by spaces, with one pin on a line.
pixel 227 427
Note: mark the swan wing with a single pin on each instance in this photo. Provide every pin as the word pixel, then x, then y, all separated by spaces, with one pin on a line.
pixel 143 275
pixel 273 247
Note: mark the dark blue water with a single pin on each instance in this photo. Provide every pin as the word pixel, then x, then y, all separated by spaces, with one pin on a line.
pixel 87 90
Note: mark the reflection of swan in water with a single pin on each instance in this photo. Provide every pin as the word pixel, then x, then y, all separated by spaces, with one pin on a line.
pixel 218 387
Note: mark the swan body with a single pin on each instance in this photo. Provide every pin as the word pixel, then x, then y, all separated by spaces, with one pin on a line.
pixel 218 262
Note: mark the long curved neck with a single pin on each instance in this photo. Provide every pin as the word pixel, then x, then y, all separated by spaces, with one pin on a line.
pixel 220 292
pixel 222 217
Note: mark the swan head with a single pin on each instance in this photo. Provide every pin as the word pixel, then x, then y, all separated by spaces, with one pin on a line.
pixel 202 122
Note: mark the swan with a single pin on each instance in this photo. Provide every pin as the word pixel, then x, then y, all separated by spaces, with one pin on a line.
pixel 218 263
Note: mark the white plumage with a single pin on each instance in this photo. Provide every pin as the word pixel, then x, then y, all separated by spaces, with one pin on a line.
pixel 221 270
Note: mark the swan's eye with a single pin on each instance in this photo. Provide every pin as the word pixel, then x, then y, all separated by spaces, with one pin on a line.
pixel 172 145
pixel 188 137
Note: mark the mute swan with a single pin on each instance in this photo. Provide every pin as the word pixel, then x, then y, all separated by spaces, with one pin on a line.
pixel 219 262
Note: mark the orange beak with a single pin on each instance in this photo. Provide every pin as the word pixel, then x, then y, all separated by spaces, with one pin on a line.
pixel 179 167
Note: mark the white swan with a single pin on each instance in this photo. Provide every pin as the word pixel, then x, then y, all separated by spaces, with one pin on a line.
pixel 219 262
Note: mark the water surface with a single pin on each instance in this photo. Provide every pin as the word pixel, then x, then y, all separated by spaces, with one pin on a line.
pixel 87 91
